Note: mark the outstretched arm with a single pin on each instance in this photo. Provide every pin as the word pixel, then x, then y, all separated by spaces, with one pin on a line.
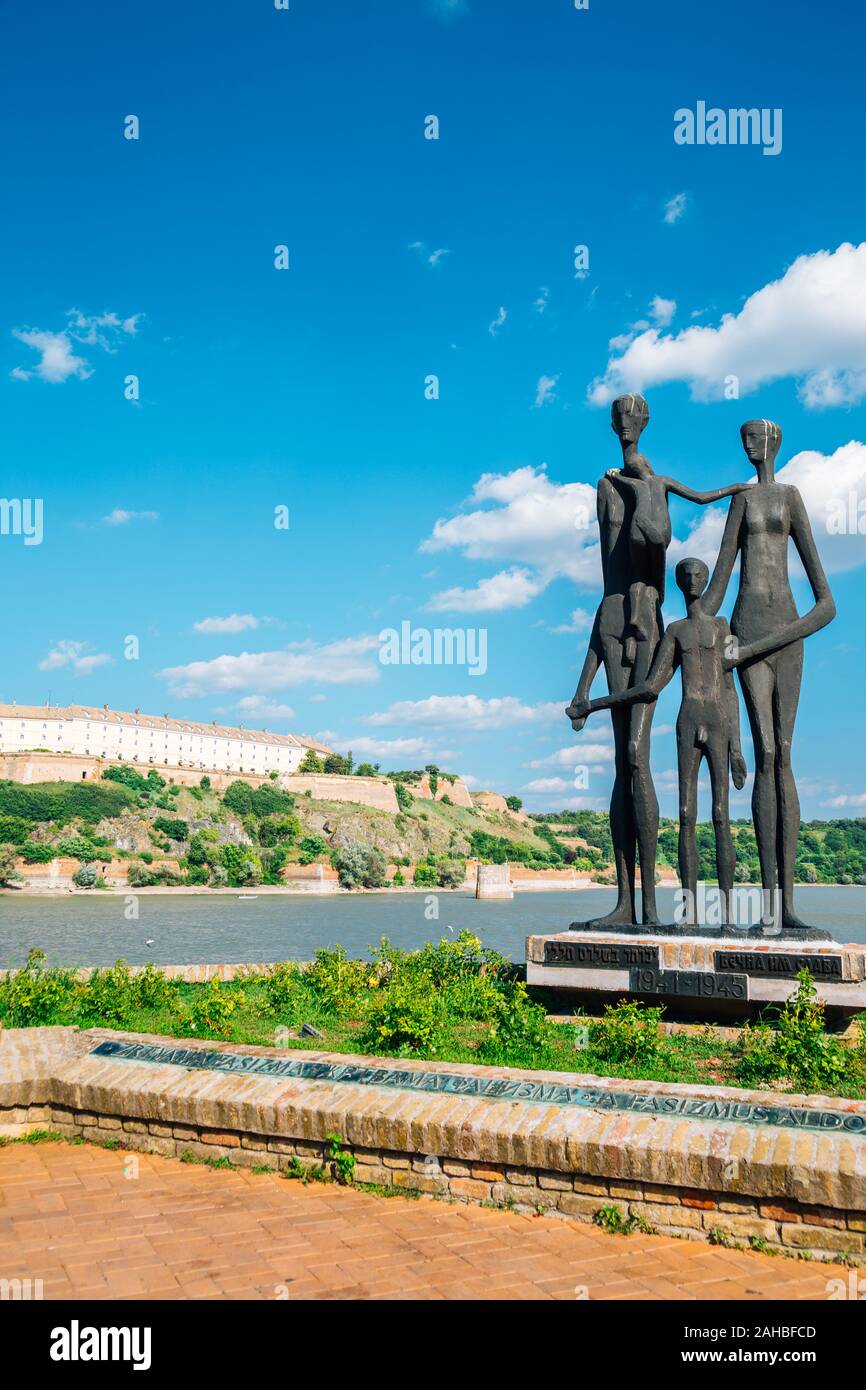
pixel 822 612
pixel 702 498
pixel 660 673
pixel 711 600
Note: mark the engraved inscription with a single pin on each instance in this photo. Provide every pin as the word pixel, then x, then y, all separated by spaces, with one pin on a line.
pixel 775 964
pixel 701 984
pixel 600 955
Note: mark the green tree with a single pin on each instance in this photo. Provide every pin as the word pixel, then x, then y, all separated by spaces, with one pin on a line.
pixel 311 762
pixel 8 871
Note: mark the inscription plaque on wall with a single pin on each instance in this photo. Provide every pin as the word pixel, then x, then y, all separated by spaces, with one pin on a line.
pixel 600 955
pixel 778 964
pixel 487 1085
pixel 699 984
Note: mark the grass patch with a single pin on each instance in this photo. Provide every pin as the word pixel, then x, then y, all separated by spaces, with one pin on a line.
pixel 455 1001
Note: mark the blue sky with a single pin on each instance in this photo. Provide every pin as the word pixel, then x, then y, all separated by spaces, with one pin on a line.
pixel 409 258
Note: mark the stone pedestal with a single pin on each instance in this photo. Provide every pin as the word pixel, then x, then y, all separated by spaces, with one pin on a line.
pixel 713 974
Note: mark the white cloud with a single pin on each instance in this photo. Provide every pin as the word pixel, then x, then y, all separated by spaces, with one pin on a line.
pixel 58 360
pixel 810 324
pixel 74 655
pixel 576 753
pixel 674 208
pixel 235 622
pixel 508 589
pixel 547 784
pixel 257 707
pixel 397 749
pixel 581 621
pixel 663 310
pixel 467 712
pixel 346 662
pixel 856 799
pixel 494 327
pixel 121 517
pixel 544 392
pixel 540 304
pixel 434 257
pixel 524 518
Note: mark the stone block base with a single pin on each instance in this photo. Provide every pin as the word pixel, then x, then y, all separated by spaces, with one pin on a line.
pixel 714 974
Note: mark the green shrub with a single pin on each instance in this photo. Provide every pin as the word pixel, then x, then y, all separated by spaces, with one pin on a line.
pixel 238 797
pixel 14 830
pixel 404 796
pixel 36 995
pixel 312 847
pixel 174 829
pixel 796 1049
pixel 62 802
pixel 450 873
pixel 629 1033
pixel 360 866
pixel 401 1019
pixel 85 876
pixel 9 872
pixel 34 853
pixel 268 800
pixel 107 998
pixel 213 1007
pixel 518 1025
pixel 340 983
pixel 275 830
pixel 425 876
pixel 137 876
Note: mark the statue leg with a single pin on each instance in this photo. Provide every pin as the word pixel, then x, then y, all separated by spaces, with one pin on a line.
pixel 622 824
pixel 645 802
pixel 718 755
pixel 646 807
pixel 758 682
pixel 688 762
pixel 789 672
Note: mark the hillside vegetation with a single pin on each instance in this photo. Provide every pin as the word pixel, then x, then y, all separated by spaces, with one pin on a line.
pixel 246 835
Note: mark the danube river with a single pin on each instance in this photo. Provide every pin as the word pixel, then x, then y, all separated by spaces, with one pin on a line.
pixel 91 929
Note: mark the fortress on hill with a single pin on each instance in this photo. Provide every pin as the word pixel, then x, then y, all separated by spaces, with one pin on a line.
pixel 46 743
pixel 72 743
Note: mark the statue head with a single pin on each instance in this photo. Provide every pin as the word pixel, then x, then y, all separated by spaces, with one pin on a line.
pixel 691 576
pixel 628 417
pixel 761 440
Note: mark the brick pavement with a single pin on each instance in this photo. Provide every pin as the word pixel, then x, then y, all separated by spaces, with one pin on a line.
pixel 70 1217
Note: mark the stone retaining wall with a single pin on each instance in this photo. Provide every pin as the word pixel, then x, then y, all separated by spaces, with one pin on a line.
pixel 797 1189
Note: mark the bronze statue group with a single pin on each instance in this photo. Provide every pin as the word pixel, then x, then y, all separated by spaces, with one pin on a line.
pixel 764 643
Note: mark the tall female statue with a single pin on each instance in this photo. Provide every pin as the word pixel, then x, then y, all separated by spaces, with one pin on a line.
pixel 769 634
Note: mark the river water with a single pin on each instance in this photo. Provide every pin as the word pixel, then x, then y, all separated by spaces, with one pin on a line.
pixel 95 930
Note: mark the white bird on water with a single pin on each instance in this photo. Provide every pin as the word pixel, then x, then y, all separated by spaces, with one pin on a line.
pixel 149 941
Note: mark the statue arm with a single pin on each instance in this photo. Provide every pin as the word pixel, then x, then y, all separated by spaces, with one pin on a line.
pixel 604 495
pixel 702 498
pixel 660 673
pixel 822 612
pixel 591 663
pixel 714 594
